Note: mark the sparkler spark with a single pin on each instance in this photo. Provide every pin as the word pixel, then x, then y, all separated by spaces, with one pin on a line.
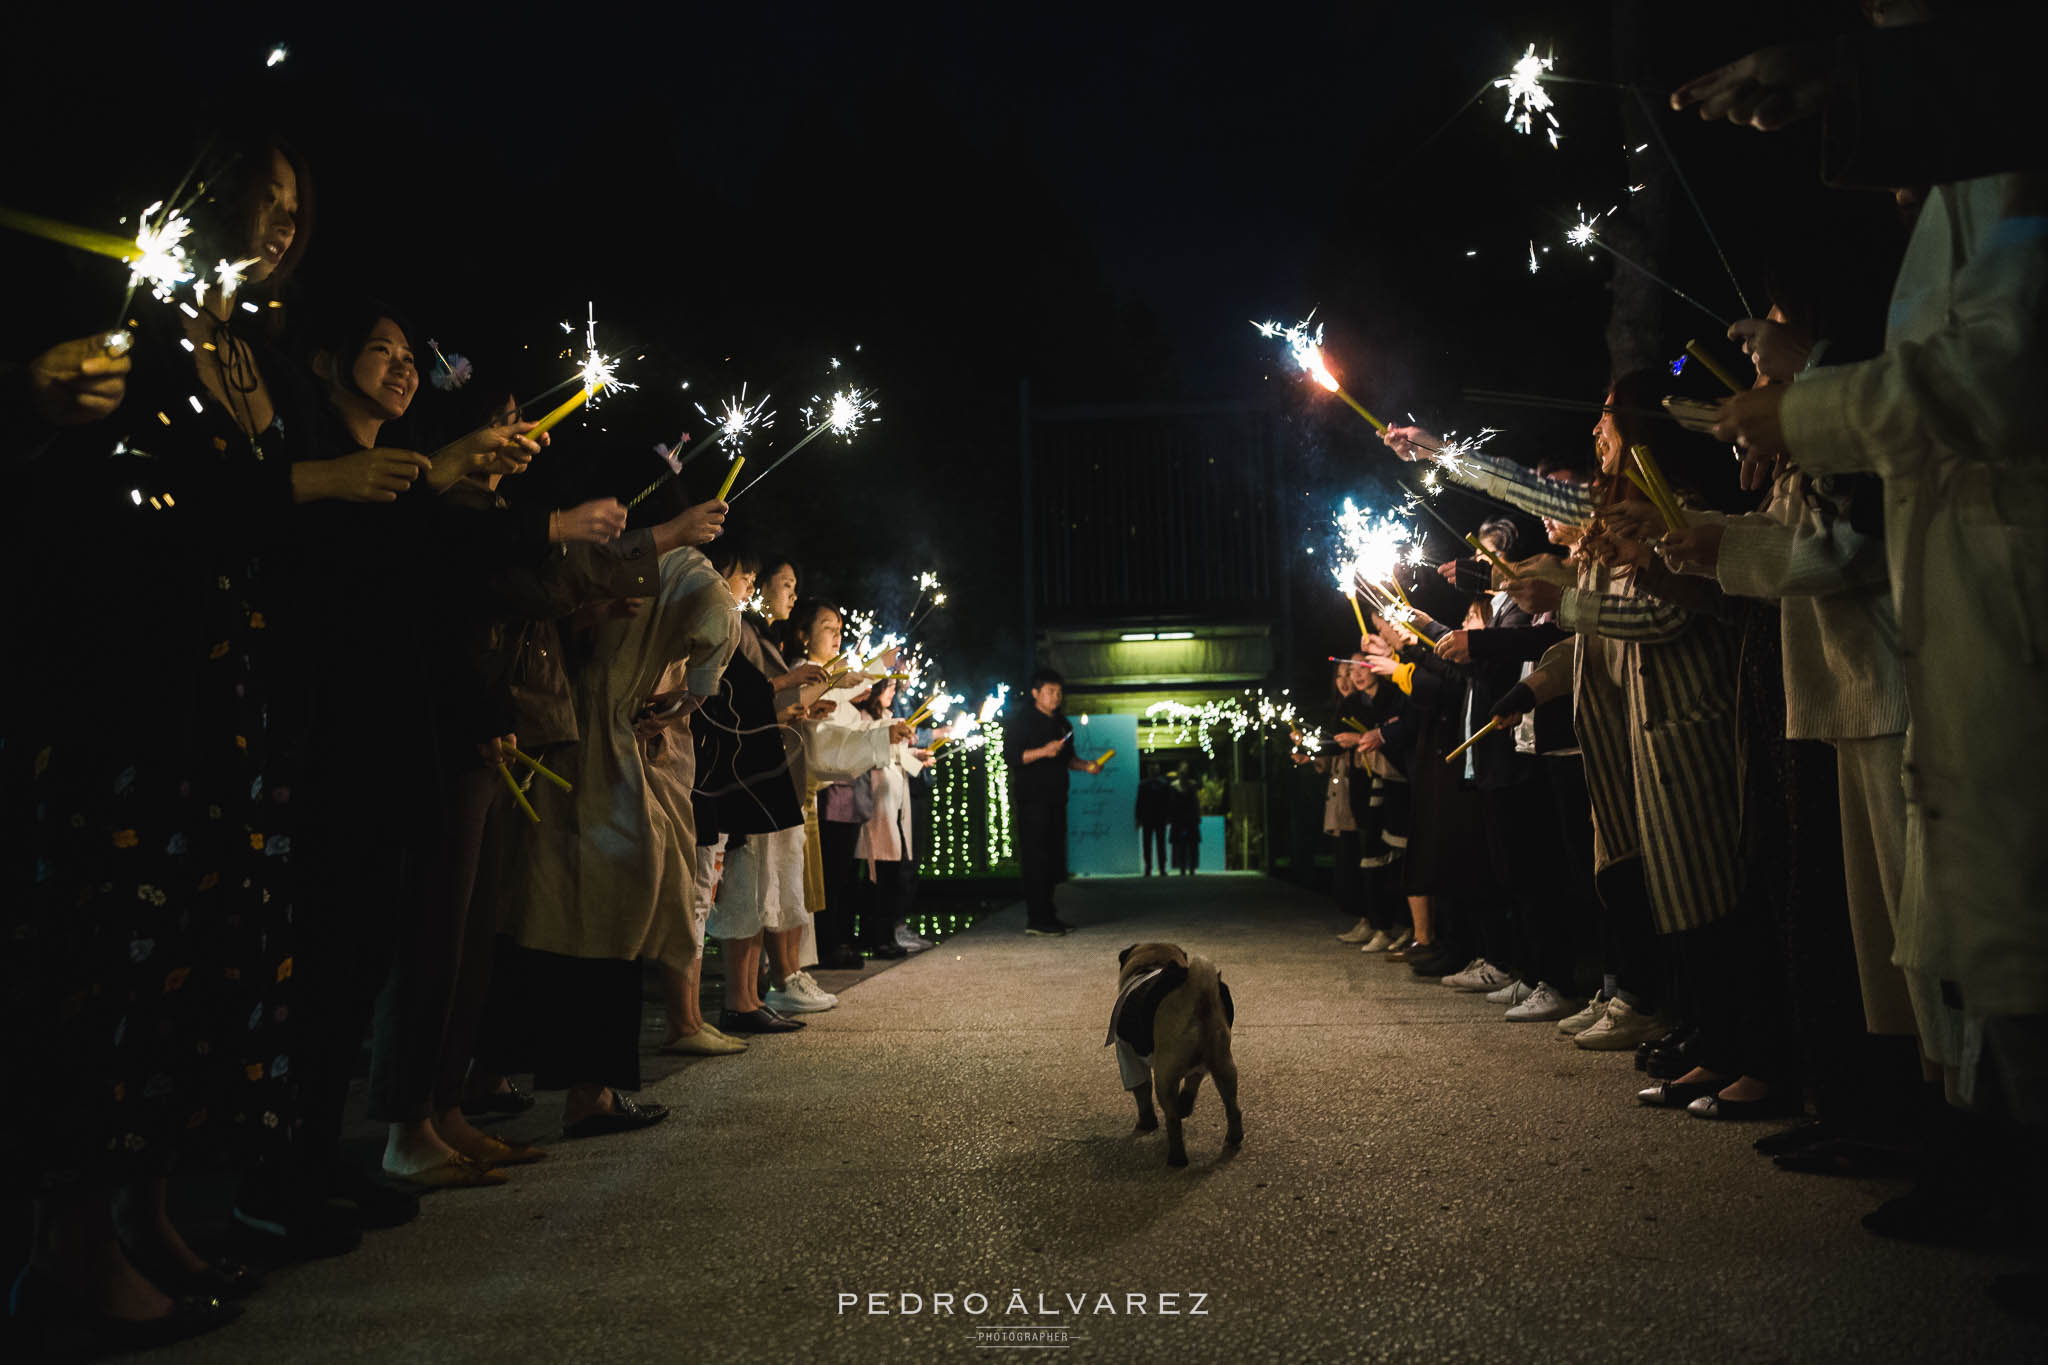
pixel 599 373
pixel 1304 346
pixel 1526 96
pixel 843 415
pixel 162 262
pixel 737 420
pixel 277 55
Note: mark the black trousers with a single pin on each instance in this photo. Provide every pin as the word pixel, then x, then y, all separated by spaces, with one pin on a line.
pixel 1347 878
pixel 1041 829
pixel 1153 838
pixel 585 1014
pixel 1630 946
pixel 1529 867
pixel 414 1007
pixel 1579 902
pixel 885 906
pixel 835 923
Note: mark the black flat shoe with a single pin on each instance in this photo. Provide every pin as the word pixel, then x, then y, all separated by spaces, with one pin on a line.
pixel 1771 1106
pixel 625 1116
pixel 888 950
pixel 294 1229
pixel 1053 930
pixel 38 1305
pixel 1843 1156
pixel 510 1100
pixel 378 1203
pixel 756 1021
pixel 841 959
pixel 222 1279
pixel 1793 1139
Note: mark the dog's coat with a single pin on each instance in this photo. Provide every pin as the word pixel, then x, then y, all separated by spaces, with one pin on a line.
pixel 1171 1026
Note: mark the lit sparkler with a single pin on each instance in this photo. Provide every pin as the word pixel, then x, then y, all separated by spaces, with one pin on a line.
pixel 1527 99
pixel 843 415
pixel 1306 349
pixel 160 260
pixel 1586 233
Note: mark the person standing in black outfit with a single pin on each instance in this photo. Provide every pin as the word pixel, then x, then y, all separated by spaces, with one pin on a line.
pixel 1038 748
pixel 1155 803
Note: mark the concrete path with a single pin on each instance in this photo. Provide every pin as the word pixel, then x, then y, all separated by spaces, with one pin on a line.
pixel 1420 1181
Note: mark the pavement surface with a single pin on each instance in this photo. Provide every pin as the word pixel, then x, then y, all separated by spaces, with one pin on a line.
pixel 1419 1181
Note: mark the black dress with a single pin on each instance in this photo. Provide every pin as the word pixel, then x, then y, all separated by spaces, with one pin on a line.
pixel 148 841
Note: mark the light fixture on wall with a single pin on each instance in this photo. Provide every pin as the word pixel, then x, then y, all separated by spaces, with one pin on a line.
pixel 1129 636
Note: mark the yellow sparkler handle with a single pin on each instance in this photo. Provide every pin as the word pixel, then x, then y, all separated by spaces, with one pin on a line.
pixel 1476 543
pixel 1659 490
pixel 1713 366
pixel 1358 725
pixel 1363 628
pixel 730 475
pixel 66 234
pixel 1095 764
pixel 512 783
pixel 1359 408
pixel 542 770
pixel 569 405
pixel 1481 733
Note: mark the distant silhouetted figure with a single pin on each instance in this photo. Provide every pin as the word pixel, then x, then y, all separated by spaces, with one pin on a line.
pixel 1186 821
pixel 1154 810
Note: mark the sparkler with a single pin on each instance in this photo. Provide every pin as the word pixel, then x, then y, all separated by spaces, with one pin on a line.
pixel 844 414
pixel 1526 96
pixel 1306 348
pixel 155 255
pixel 598 371
pixel 1713 366
pixel 1586 233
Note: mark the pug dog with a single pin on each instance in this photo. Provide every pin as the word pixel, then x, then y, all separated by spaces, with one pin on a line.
pixel 1171 1026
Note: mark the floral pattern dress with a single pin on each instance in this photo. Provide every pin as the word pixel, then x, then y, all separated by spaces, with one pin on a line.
pixel 148 964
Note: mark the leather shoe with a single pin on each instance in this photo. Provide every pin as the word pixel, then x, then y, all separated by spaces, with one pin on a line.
pixel 888 950
pixel 510 1100
pixel 458 1172
pixel 624 1116
pixel 756 1021
pixel 38 1304
pixel 841 958
pixel 1677 1094
pixel 1775 1105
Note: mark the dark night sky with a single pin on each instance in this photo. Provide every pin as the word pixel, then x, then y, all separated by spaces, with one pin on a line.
pixel 1098 201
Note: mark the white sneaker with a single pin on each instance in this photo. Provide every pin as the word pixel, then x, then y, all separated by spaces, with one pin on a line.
pixel 1378 943
pixel 1593 1013
pixel 815 991
pixel 1622 1029
pixel 791 997
pixel 1543 1003
pixel 1514 993
pixel 1401 940
pixel 1478 975
pixel 909 940
pixel 1357 933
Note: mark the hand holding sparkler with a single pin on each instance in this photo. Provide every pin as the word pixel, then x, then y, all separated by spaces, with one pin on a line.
pixel 377 475
pixel 1695 550
pixel 496 448
pixel 701 524
pixel 1779 350
pixel 79 381
pixel 1412 443
pixel 1535 595
pixel 597 522
pixel 1769 89
pixel 1750 421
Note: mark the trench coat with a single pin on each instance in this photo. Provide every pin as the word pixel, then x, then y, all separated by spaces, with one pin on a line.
pixel 1954 417
pixel 595 878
